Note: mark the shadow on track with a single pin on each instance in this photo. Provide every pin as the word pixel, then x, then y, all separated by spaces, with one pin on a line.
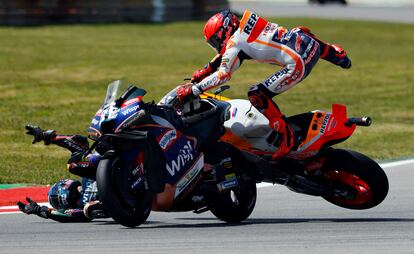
pixel 219 224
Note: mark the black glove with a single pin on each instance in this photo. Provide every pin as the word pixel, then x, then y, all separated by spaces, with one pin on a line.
pixel 33 208
pixel 40 134
pixel 36 132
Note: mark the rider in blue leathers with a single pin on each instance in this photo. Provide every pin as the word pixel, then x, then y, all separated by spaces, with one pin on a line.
pixel 72 200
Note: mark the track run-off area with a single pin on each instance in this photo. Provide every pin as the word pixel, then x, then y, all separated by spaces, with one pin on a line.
pixel 282 222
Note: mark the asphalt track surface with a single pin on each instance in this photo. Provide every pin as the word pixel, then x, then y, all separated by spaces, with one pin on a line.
pixel 282 222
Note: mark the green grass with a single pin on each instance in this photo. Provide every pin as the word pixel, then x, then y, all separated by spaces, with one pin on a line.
pixel 56 76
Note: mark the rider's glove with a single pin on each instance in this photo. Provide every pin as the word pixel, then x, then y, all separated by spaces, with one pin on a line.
pixel 201 74
pixel 285 139
pixel 187 90
pixel 36 132
pixel 39 134
pixel 33 208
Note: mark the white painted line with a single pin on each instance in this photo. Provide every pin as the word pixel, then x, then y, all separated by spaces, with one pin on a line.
pixel 262 185
pixel 396 163
pixel 7 207
pixel 15 207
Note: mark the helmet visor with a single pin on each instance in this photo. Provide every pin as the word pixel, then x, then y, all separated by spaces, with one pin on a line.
pixel 216 40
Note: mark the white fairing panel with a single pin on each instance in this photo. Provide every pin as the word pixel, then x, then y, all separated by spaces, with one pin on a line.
pixel 249 124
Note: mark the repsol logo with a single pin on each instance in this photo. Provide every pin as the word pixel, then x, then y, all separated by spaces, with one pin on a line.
pixel 185 155
pixel 250 24
pixel 324 124
pixel 129 110
pixel 206 85
pixel 276 76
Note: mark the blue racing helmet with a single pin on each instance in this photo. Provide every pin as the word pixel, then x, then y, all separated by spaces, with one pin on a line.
pixel 64 194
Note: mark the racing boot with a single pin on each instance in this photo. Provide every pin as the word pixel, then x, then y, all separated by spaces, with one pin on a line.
pixel 284 139
pixel 283 135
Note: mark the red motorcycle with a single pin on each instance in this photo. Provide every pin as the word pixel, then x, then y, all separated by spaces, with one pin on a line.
pixel 343 177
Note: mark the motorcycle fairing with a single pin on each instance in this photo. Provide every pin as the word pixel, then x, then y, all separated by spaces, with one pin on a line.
pixel 180 151
pixel 189 176
pixel 207 121
pixel 135 162
pixel 129 112
pixel 94 130
pixel 248 130
pixel 324 129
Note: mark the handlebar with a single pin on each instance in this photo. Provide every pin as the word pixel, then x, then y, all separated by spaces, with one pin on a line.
pixel 360 121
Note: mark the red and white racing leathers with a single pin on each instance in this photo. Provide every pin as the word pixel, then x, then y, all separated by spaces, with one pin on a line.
pixel 263 41
pixel 296 50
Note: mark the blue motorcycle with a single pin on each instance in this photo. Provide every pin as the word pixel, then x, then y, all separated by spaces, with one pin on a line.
pixel 168 157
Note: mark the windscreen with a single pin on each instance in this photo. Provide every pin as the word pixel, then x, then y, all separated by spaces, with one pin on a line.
pixel 114 91
pixel 118 88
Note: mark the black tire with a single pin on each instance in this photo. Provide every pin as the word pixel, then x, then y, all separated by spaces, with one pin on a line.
pixel 359 182
pixel 128 209
pixel 236 205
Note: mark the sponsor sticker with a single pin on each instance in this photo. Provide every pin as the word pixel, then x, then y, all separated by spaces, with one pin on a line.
pixel 131 101
pixel 227 184
pixel 234 112
pixel 197 199
pixel 127 111
pixel 185 155
pixel 190 175
pixel 167 138
pixel 276 76
pixel 250 23
pixel 137 182
pixel 325 123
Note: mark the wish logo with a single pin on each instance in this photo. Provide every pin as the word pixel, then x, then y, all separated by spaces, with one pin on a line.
pixel 186 154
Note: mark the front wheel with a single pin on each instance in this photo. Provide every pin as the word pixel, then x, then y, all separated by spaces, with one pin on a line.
pixel 357 181
pixel 127 207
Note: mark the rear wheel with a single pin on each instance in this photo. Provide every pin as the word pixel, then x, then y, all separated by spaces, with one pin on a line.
pixel 357 181
pixel 126 206
pixel 236 205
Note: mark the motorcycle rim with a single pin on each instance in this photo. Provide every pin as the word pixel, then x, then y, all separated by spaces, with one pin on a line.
pixel 350 189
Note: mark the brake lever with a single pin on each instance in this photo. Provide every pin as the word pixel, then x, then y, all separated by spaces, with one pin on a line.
pixel 221 89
